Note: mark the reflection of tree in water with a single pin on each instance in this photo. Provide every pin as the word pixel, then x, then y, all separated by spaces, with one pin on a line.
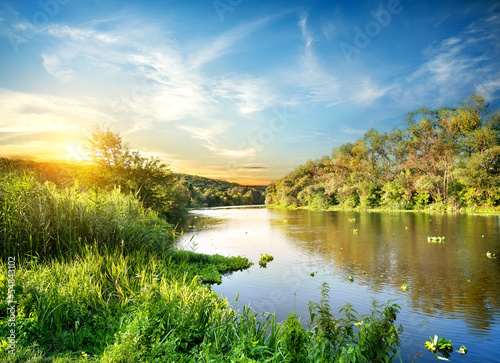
pixel 455 277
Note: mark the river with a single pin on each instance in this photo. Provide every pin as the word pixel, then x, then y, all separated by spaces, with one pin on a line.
pixel 453 287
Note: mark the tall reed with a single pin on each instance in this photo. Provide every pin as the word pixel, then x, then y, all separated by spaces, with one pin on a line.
pixel 38 219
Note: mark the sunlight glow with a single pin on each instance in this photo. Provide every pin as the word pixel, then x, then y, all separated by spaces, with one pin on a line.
pixel 75 152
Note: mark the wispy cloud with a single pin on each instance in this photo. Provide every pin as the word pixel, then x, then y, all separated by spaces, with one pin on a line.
pixel 210 135
pixel 224 43
pixel 351 131
pixel 333 87
pixel 319 85
pixel 452 67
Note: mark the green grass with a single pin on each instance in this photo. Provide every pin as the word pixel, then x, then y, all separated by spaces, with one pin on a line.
pixel 37 218
pixel 96 280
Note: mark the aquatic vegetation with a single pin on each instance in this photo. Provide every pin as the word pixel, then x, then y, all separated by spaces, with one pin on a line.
pixel 435 239
pixel 351 278
pixel 490 255
pixel 352 219
pixel 441 345
pixel 462 350
pixel 404 287
pixel 355 230
pixel 312 274
pixel 351 337
pixel 264 259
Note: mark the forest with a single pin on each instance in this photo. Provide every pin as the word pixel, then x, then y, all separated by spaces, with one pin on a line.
pixel 207 192
pixel 441 159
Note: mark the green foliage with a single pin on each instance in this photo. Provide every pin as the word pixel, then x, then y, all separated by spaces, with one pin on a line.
pixel 447 157
pixel 38 218
pixel 441 345
pixel 113 165
pixel 354 338
pixel 96 280
pixel 206 192
pixel 208 268
pixel 264 259
pixel 294 340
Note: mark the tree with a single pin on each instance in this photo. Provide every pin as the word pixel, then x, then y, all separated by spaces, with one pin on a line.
pixel 445 155
pixel 105 148
pixel 115 165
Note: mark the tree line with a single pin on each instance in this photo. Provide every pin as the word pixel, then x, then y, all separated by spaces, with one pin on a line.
pixel 442 158
pixel 207 192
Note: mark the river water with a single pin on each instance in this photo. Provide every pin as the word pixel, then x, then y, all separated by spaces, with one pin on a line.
pixel 453 287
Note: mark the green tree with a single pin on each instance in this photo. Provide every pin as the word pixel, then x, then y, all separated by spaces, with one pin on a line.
pixel 113 164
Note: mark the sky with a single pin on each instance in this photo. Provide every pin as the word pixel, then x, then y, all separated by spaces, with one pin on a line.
pixel 234 89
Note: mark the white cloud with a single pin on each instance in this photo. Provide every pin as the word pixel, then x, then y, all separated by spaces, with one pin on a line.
pixel 224 43
pixel 456 66
pixel 24 112
pixel 333 87
pixel 250 94
pixel 210 135
pixel 351 131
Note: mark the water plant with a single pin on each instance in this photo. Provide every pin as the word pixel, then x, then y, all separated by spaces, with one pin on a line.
pixel 350 337
pixel 352 219
pixel 441 345
pixel 404 287
pixel 435 239
pixel 264 259
pixel 351 278
pixel 490 255
pixel 355 230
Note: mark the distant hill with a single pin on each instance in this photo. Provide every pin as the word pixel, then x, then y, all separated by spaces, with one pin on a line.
pixel 207 192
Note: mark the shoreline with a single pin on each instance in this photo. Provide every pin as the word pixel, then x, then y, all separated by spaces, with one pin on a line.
pixel 438 210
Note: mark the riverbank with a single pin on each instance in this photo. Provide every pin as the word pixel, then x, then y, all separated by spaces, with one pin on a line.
pixel 93 277
pixel 429 209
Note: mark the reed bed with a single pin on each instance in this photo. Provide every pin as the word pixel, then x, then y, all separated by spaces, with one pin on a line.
pixel 37 218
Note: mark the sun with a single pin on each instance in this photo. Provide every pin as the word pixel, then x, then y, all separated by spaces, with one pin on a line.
pixel 75 152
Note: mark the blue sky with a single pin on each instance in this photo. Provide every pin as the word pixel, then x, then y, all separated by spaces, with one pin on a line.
pixel 234 89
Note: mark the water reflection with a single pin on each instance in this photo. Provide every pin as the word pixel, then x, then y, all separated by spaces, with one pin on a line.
pixel 453 287
pixel 454 278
